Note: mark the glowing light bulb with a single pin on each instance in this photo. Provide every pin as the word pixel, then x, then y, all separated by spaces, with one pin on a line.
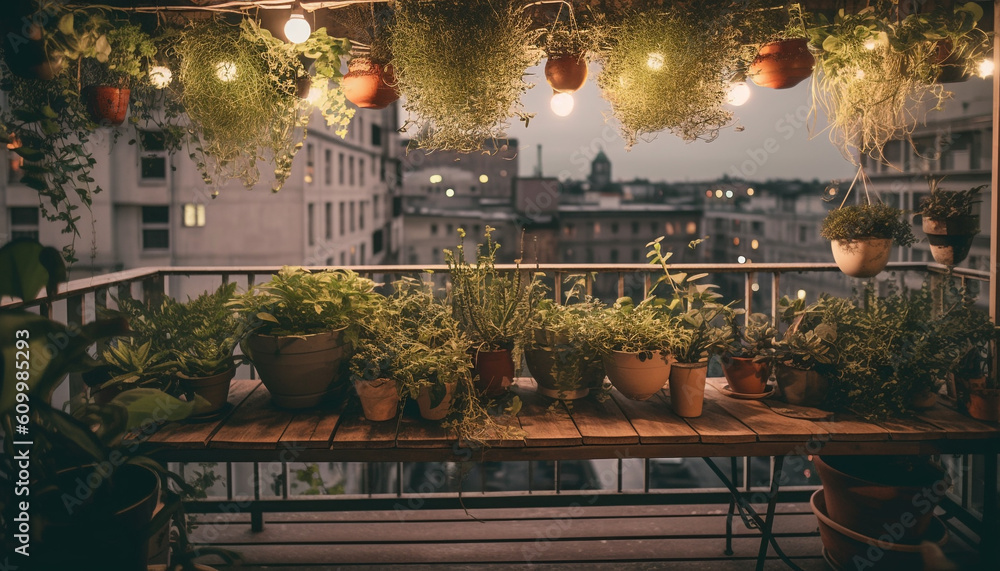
pixel 436 178
pixel 450 192
pixel 860 74
pixel 484 179
pixel 742 259
pixel 754 244
pixel 160 76
pixel 729 194
pixel 655 61
pixel 718 194
pixel 749 192
pixel 562 104
pixel 225 71
pixel 986 68
pixel 739 93
pixel 297 29
pixel 755 286
pixel 801 294
pixel 870 44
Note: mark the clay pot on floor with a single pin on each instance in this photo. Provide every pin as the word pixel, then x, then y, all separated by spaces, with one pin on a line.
pixel 298 371
pixel 379 399
pixel 638 376
pixel 863 258
pixel 687 388
pixel 745 375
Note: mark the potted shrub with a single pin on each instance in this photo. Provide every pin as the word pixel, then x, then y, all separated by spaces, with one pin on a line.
pixel 374 363
pixel 805 351
pixel 109 82
pixel 861 236
pixel 636 341
pixel 563 351
pixel 304 326
pixel 701 331
pixel 959 43
pixel 748 360
pixel 132 363
pixel 566 49
pixel 784 61
pixel 948 220
pixel 370 82
pixel 972 334
pixel 493 308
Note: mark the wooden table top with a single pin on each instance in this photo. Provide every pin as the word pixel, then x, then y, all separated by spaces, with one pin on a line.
pixel 255 430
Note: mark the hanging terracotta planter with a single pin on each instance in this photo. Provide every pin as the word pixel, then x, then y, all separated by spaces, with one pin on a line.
pixel 298 371
pixel 844 547
pixel 107 105
pixel 804 387
pixel 566 74
pixel 951 238
pixel 214 389
pixel 440 410
pixel 862 258
pixel 493 370
pixel 379 399
pixel 369 85
pixel 782 64
pixel 745 375
pixel 638 376
pixel 687 388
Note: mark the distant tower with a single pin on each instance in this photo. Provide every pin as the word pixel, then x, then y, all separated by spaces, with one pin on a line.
pixel 600 172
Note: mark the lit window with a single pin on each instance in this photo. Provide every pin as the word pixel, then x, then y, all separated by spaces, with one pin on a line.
pixel 736 241
pixel 597 228
pixel 669 227
pixel 692 228
pixel 754 244
pixel 194 215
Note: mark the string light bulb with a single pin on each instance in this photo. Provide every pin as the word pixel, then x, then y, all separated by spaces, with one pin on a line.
pixel 225 71
pixel 739 93
pixel 160 76
pixel 655 61
pixel 986 68
pixel 562 104
pixel 297 29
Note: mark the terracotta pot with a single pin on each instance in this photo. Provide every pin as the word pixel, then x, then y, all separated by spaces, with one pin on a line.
pixel 746 376
pixel 214 389
pixel 984 404
pixel 871 507
pixel 108 532
pixel 862 258
pixel 638 376
pixel 493 371
pixel 298 371
pixel 566 74
pixel 950 239
pixel 687 388
pixel 379 399
pixel 107 105
pixel 369 85
pixel 953 68
pixel 576 375
pixel 440 410
pixel 804 387
pixel 848 549
pixel 924 400
pixel 782 64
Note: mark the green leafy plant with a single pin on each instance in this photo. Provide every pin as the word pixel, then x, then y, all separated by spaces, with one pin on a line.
pixel 754 339
pixel 641 328
pixel 460 67
pixel 136 364
pixel 327 54
pixel 299 302
pixel 127 61
pixel 810 340
pixel 867 220
pixel 944 204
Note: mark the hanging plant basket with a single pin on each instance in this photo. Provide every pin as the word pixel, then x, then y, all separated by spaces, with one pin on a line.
pixel 782 64
pixel 566 73
pixel 370 85
pixel 106 104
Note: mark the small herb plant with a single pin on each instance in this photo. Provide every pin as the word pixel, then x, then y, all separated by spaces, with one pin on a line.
pixel 754 339
pixel 867 220
pixel 811 338
pixel 207 332
pixel 944 204
pixel 298 302
pixel 641 328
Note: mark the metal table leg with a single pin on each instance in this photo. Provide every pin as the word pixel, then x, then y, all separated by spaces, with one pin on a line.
pixel 732 510
pixel 772 500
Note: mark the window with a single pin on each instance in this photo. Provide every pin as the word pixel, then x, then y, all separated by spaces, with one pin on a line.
pixel 310 163
pixel 363 246
pixel 376 203
pixel 361 172
pixel 328 167
pixel 803 233
pixel 155 228
pixel 614 227
pixel 329 261
pixel 614 256
pixel 351 218
pixel 597 228
pixel 652 227
pixel 434 229
pixel 691 228
pixel 756 227
pixel 361 215
pixel 381 169
pixel 669 228
pixel 15 162
pixel 376 136
pixel 24 222
pixel 152 156
pixel 340 168
pixel 377 242
pixel 343 258
pixel 361 129
pixel 450 229
pixel 568 255
pixel 194 215
pixel 350 168
pixel 434 255
pixel 328 216
pixel 342 225
pixel 635 255
pixel 569 229
pixel 310 223
pixel 635 227
pixel 590 255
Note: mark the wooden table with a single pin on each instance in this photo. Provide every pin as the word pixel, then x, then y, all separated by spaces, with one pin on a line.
pixel 253 430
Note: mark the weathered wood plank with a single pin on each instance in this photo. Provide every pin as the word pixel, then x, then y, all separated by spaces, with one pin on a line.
pixel 956 425
pixel 762 420
pixel 716 426
pixel 354 431
pixel 653 420
pixel 545 422
pixel 256 423
pixel 313 428
pixel 415 432
pixel 911 429
pixel 197 435
pixel 601 422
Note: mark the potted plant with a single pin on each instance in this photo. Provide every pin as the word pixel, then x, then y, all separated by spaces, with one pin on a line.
pixel 972 334
pixel 566 49
pixel 861 236
pixel 805 351
pixel 132 363
pixel 305 324
pixel 784 61
pixel 959 43
pixel 701 331
pixel 948 220
pixel 370 82
pixel 747 362
pixel 563 351
pixel 635 346
pixel 374 363
pixel 493 308
pixel 460 67
pixel 109 82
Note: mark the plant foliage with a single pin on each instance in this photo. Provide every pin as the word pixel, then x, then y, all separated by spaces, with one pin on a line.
pixel 944 204
pixel 867 220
